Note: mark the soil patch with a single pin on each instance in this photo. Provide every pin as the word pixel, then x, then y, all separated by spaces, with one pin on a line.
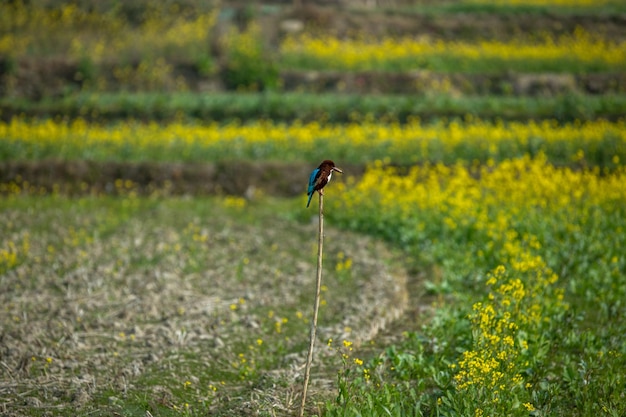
pixel 243 178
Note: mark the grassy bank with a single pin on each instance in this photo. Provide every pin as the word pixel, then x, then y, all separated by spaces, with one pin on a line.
pixel 335 108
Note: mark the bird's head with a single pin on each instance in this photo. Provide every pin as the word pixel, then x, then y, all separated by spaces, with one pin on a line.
pixel 330 165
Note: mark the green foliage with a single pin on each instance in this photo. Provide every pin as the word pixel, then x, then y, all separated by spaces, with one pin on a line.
pixel 529 312
pixel 562 8
pixel 290 107
pixel 8 65
pixel 249 65
pixel 87 71
pixel 205 64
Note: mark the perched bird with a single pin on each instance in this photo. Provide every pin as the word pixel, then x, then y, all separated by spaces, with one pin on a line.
pixel 320 177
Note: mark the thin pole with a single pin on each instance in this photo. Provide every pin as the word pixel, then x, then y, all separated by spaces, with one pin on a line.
pixel 316 305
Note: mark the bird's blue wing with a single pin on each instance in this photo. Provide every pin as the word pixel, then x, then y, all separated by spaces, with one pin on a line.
pixel 312 180
pixel 311 188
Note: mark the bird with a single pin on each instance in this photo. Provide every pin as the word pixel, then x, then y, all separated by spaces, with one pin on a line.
pixel 320 177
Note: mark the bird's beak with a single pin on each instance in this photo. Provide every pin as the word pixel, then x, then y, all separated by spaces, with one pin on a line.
pixel 338 170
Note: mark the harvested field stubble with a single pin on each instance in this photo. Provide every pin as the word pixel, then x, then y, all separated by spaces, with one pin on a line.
pixel 173 304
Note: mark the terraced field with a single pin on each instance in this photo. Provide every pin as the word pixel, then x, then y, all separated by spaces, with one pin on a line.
pixel 156 257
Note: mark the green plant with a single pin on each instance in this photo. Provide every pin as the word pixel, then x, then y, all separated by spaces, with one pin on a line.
pixel 525 265
pixel 249 65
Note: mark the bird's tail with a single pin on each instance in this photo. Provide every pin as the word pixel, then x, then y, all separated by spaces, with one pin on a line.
pixel 310 197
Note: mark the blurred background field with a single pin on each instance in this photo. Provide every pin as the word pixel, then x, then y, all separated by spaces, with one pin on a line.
pixel 55 50
pixel 158 258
